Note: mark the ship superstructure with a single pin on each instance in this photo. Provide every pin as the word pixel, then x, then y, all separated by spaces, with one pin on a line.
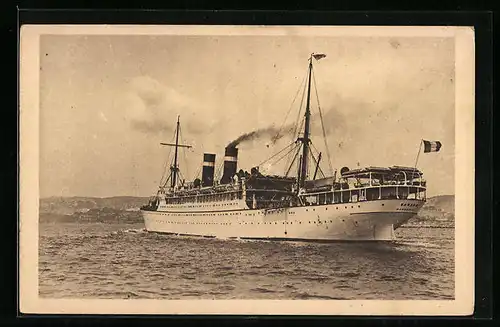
pixel 302 204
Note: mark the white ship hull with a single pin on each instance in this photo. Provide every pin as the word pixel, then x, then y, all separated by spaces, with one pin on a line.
pixel 357 221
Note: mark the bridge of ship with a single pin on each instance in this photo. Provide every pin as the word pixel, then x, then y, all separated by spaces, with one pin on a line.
pixel 368 184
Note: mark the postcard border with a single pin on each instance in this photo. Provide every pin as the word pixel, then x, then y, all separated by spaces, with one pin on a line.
pixel 29 208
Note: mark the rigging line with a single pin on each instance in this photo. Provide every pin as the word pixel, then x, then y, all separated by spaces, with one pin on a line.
pixel 197 173
pixel 308 171
pixel 313 157
pixel 218 172
pixel 184 152
pixel 298 127
pixel 166 181
pixel 294 158
pixel 294 148
pixel 321 171
pixel 316 162
pixel 168 176
pixel 291 106
pixel 294 135
pixel 286 154
pixel 322 124
pixel 182 178
pixel 186 164
pixel 293 161
pixel 274 155
pixel 165 167
pixel 314 147
pixel 310 166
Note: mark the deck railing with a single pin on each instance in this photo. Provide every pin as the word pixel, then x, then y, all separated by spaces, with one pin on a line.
pixel 367 193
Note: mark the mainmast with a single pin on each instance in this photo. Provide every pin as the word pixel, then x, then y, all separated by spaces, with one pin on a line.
pixel 305 138
pixel 303 165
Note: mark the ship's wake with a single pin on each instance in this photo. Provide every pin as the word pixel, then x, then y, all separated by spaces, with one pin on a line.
pixel 130 231
pixel 417 244
pixel 136 230
pixel 293 243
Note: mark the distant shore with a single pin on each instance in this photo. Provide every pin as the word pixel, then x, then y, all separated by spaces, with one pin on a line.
pixel 438 211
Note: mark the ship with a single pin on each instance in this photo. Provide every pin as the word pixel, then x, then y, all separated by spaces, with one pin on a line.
pixel 302 204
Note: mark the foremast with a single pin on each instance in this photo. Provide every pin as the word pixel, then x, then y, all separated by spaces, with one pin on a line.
pixel 174 168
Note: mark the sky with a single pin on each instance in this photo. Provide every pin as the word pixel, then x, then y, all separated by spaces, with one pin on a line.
pixel 106 103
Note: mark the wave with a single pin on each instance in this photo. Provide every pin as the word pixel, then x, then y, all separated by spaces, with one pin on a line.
pixel 389 278
pixel 418 244
pixel 348 274
pixel 262 290
pixel 136 230
pixel 307 296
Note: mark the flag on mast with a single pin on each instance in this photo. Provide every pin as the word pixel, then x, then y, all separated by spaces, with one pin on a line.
pixel 318 56
pixel 431 146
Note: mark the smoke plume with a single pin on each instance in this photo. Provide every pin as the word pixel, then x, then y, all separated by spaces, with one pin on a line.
pixel 271 132
pixel 333 122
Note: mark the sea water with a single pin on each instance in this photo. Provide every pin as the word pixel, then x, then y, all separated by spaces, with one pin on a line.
pixel 119 261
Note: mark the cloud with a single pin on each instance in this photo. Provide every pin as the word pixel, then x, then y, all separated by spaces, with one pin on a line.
pixel 333 121
pixel 154 107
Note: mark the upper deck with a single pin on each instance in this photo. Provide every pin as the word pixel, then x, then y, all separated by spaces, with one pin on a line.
pixel 363 184
pixel 367 184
